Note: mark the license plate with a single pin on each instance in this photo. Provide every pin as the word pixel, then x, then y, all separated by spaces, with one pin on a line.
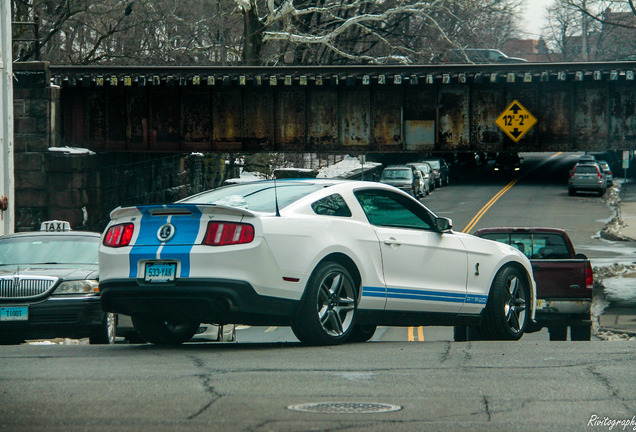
pixel 160 272
pixel 14 313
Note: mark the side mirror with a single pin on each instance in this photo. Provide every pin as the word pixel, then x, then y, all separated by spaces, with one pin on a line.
pixel 580 256
pixel 443 224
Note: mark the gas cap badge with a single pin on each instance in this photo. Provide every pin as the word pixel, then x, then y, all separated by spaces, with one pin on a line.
pixel 166 232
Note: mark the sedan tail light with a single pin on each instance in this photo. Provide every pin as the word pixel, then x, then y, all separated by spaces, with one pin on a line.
pixel 119 235
pixel 228 233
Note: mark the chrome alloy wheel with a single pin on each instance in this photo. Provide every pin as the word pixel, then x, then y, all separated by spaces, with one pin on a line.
pixel 335 303
pixel 515 304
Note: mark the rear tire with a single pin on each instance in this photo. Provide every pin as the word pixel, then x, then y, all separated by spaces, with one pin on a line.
pixel 571 192
pixel 328 309
pixel 506 314
pixel 159 331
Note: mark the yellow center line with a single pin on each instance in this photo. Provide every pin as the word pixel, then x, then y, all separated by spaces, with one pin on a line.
pixel 494 199
pixel 420 334
pixel 489 204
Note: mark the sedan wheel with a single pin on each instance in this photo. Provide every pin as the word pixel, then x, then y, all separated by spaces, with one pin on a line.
pixel 105 333
pixel 328 308
pixel 506 311
pixel 159 331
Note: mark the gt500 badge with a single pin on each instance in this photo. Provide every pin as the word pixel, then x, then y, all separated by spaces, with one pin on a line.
pixel 165 233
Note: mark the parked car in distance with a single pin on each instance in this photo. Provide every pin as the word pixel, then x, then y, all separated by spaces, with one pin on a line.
pixel 587 176
pixel 564 279
pixel 427 174
pixel 49 286
pixel 607 172
pixel 404 177
pixel 508 162
pixel 480 55
pixel 333 259
pixel 441 170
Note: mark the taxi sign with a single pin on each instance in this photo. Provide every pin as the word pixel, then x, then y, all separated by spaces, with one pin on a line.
pixel 55 226
pixel 516 121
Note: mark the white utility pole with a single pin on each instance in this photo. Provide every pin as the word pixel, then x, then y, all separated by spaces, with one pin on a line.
pixel 7 194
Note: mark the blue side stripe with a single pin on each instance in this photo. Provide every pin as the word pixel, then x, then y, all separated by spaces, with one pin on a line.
pixel 178 247
pixel 426 295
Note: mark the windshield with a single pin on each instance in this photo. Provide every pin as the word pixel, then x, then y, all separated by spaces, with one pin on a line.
pixel 259 196
pixel 397 174
pixel 48 249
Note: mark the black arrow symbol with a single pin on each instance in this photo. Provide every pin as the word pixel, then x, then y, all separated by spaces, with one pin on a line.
pixel 515 133
pixel 515 108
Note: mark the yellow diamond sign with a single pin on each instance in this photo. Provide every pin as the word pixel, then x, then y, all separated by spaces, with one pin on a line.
pixel 516 121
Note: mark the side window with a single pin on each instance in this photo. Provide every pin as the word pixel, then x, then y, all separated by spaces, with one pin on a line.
pixel 333 205
pixel 388 209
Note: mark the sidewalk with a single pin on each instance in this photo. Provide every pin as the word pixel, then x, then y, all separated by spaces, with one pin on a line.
pixel 627 205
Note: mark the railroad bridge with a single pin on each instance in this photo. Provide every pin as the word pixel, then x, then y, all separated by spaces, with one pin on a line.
pixel 158 134
pixel 352 109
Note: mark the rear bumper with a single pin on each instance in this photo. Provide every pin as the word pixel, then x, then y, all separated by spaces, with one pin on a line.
pixel 56 317
pixel 219 301
pixel 563 311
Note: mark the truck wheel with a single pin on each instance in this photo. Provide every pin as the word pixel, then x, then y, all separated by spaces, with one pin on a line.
pixel 558 333
pixel 460 333
pixel 328 309
pixel 581 333
pixel 159 331
pixel 505 316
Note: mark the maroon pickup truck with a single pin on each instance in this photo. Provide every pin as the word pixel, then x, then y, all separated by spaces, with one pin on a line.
pixel 564 280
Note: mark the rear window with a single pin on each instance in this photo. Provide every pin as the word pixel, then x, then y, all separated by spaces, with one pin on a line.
pixel 534 246
pixel 259 196
pixel 433 164
pixel 586 169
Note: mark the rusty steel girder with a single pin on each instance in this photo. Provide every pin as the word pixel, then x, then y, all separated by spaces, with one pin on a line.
pixel 354 109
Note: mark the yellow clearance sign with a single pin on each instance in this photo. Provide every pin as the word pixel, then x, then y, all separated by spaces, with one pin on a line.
pixel 516 121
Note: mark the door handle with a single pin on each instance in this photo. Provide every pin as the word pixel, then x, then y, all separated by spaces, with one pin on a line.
pixel 391 241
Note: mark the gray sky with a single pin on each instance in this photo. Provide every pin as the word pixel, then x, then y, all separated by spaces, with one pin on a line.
pixel 534 17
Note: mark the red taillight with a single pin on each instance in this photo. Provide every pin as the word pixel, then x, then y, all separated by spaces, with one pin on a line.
pixel 589 276
pixel 119 235
pixel 228 233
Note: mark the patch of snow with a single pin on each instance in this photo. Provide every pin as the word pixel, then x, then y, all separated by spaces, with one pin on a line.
pixel 71 150
pixel 348 164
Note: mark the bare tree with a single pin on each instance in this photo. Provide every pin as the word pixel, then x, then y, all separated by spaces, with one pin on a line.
pixel 587 30
pixel 364 31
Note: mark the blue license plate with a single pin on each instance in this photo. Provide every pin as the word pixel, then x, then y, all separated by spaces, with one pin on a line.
pixel 160 272
pixel 14 313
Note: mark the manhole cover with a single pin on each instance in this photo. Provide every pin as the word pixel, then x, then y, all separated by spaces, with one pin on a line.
pixel 345 407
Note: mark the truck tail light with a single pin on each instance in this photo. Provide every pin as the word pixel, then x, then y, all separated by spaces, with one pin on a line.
pixel 228 233
pixel 119 235
pixel 589 276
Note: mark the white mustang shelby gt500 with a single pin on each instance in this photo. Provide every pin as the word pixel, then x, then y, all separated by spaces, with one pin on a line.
pixel 331 258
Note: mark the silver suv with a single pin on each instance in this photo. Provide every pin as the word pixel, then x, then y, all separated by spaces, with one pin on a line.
pixel 405 177
pixel 587 176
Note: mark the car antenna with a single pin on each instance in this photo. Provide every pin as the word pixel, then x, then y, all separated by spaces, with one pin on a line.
pixel 276 197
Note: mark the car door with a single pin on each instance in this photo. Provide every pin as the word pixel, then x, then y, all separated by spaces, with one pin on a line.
pixel 424 270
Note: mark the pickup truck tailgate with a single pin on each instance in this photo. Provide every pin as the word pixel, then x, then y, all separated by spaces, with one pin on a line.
pixel 560 278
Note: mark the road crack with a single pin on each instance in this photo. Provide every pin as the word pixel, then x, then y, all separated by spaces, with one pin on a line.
pixel 208 388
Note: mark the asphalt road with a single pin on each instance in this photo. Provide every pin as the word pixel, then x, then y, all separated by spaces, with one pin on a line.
pixel 429 382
